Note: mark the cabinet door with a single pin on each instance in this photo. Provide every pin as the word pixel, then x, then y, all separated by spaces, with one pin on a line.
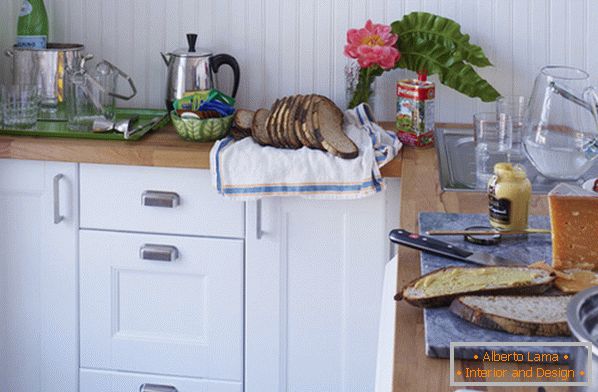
pixel 38 276
pixel 162 304
pixel 314 276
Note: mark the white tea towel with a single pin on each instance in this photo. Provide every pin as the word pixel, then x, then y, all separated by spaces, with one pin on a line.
pixel 245 170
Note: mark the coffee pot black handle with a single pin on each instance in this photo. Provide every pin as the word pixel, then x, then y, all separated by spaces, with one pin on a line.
pixel 225 59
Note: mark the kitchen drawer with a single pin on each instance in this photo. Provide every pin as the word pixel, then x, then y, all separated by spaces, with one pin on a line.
pixel 109 381
pixel 182 317
pixel 111 199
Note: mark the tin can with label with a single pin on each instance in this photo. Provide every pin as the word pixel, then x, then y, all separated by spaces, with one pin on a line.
pixel 415 111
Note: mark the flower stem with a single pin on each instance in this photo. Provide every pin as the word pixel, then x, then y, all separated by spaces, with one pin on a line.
pixel 363 90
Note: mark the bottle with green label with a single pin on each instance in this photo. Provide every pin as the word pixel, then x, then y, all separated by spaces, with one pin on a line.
pixel 32 29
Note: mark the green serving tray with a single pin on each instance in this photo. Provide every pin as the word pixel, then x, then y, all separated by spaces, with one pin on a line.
pixel 57 128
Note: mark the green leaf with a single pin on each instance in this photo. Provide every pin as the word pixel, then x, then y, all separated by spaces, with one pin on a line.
pixel 439 60
pixel 436 45
pixel 419 27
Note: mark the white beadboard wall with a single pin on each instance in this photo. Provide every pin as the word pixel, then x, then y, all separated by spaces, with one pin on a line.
pixel 296 46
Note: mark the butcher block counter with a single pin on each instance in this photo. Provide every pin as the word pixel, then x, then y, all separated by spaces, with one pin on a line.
pixel 421 191
pixel 162 148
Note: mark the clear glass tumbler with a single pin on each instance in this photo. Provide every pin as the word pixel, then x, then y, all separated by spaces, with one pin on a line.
pixel 20 106
pixel 493 143
pixel 515 106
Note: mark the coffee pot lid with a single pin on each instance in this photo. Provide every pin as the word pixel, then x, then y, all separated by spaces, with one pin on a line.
pixel 191 51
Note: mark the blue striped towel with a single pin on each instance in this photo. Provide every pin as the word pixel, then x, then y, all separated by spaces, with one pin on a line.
pixel 245 170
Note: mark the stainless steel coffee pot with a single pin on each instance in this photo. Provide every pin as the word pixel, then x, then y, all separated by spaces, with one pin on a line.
pixel 192 69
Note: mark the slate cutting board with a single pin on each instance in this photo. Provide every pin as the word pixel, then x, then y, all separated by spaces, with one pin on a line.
pixel 441 326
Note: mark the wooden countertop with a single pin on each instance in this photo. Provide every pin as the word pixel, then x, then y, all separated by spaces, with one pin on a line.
pixel 420 191
pixel 162 147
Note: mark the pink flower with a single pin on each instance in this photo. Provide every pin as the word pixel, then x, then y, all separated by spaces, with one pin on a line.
pixel 374 44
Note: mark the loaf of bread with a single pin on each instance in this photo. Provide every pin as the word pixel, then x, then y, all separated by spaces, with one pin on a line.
pixel 297 121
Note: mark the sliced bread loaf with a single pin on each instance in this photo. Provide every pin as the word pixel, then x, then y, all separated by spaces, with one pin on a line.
pixel 520 315
pixel 440 287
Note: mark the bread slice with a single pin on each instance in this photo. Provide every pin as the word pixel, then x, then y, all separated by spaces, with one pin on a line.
pixel 238 133
pixel 307 126
pixel 520 315
pixel 329 131
pixel 298 123
pixel 289 124
pixel 441 287
pixel 270 124
pixel 243 119
pixel 258 128
pixel 280 121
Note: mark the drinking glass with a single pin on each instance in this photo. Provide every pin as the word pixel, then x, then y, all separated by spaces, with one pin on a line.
pixel 493 142
pixel 515 106
pixel 20 106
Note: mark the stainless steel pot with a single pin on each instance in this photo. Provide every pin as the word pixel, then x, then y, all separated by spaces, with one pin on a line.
pixel 192 69
pixel 582 316
pixel 45 68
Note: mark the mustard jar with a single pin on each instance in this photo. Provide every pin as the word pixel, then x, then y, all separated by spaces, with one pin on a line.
pixel 509 194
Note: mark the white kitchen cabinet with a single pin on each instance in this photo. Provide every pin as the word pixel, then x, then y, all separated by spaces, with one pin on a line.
pixel 159 304
pixel 314 278
pixel 38 276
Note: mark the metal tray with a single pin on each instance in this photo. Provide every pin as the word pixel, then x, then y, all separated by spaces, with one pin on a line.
pixel 456 159
pixel 58 128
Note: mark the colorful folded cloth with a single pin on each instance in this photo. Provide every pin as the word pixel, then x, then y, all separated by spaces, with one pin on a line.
pixel 245 170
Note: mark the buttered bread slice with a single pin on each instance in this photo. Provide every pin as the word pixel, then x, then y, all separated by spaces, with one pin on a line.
pixel 440 287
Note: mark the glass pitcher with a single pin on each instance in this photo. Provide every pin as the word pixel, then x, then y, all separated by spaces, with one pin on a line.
pixel 561 131
pixel 91 98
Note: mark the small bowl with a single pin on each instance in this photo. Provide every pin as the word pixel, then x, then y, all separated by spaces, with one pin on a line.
pixel 202 130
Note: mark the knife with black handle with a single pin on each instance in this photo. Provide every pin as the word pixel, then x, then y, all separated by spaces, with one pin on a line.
pixel 441 248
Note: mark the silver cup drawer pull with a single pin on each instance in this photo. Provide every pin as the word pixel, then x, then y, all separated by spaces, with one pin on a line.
pixel 157 388
pixel 158 252
pixel 160 199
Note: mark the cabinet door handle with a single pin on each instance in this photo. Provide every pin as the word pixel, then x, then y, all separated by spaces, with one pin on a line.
pixel 258 220
pixel 160 199
pixel 157 388
pixel 158 252
pixel 56 190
